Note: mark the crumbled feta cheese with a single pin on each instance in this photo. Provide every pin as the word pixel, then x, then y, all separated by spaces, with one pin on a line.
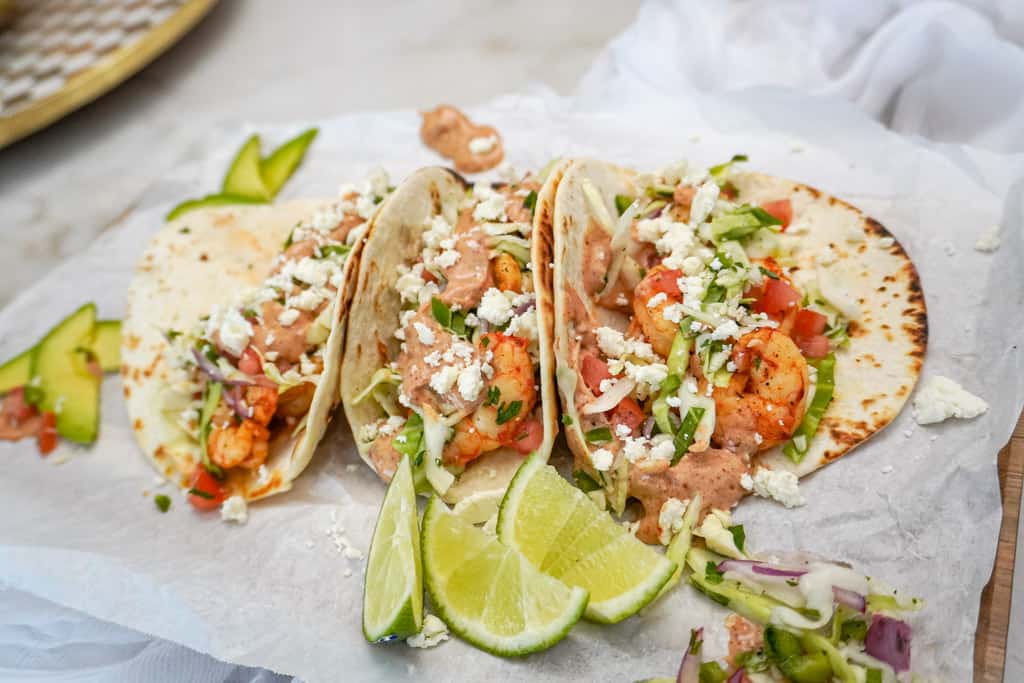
pixel 941 398
pixel 727 330
pixel 424 333
pixel 437 231
pixel 662 449
pixel 490 204
pixel 433 359
pixel 611 342
pixel 483 144
pixel 716 264
pixel 670 519
pixel 673 313
pixel 989 240
pixel 366 205
pixel 778 485
pixel 369 432
pixel 377 182
pixel 606 385
pixel 495 307
pixel 602 459
pixel 471 382
pixel 308 299
pixel 657 299
pixel 234 509
pixel 392 425
pixel 648 377
pixel 287 317
pixel 235 332
pixel 433 633
pixel 448 258
pixel 444 379
pixel 621 430
pixel 313 271
pixel 692 265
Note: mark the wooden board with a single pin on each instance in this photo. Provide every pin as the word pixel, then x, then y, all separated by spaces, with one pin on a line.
pixel 994 618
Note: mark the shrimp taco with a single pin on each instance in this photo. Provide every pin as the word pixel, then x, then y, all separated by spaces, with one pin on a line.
pixel 718 332
pixel 448 361
pixel 233 338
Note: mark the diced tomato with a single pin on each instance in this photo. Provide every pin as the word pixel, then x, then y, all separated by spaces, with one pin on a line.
pixel 212 493
pixel 250 362
pixel 628 413
pixel 47 435
pixel 809 323
pixel 594 370
pixel 15 408
pixel 666 281
pixel 778 298
pixel 528 437
pixel 781 209
pixel 813 347
pixel 428 276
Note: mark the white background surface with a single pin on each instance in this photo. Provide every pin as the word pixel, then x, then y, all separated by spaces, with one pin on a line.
pixel 934 69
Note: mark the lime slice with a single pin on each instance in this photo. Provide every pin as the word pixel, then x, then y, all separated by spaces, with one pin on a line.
pixel 559 529
pixel 393 593
pixel 490 595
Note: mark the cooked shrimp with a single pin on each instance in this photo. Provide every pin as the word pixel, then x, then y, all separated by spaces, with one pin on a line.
pixel 512 382
pixel 661 286
pixel 507 275
pixel 384 457
pixel 765 400
pixel 245 444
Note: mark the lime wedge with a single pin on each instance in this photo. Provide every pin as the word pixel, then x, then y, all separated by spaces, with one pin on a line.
pixel 559 530
pixel 490 595
pixel 393 593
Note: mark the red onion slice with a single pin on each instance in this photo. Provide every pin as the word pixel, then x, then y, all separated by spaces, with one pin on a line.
pixel 768 570
pixel 689 668
pixel 738 676
pixel 851 599
pixel 208 368
pixel 750 567
pixel 524 307
pixel 648 427
pixel 234 398
pixel 888 640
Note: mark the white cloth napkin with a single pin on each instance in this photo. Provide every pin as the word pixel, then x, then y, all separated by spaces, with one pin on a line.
pixel 949 72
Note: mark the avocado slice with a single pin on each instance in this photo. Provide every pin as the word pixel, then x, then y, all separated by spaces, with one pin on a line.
pixel 208 201
pixel 106 344
pixel 17 371
pixel 243 177
pixel 282 162
pixel 59 369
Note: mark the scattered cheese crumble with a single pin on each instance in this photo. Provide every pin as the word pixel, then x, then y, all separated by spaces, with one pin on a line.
pixel 234 509
pixel 940 398
pixel 778 485
pixel 433 633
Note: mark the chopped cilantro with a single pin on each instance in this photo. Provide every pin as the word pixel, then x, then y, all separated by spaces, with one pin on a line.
pixel 739 536
pixel 485 342
pixel 567 420
pixel 853 629
pixel 291 237
pixel 757 362
pixel 184 231
pixel 599 435
pixel 162 502
pixel 442 314
pixel 530 202
pixel 754 661
pixel 493 396
pixel 712 672
pixel 508 411
pixel 250 313
pixel 585 482
pixel 200 493
pixel 173 334
pixel 712 575
pixel 715 294
pixel 622 203
pixel 768 273
pixel 332 249
pixel 718 170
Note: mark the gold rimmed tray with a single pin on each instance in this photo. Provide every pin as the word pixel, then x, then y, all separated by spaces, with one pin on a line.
pixel 58 55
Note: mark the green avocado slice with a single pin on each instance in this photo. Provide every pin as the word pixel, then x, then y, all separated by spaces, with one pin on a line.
pixel 60 372
pixel 243 177
pixel 282 162
pixel 106 344
pixel 208 201
pixel 17 371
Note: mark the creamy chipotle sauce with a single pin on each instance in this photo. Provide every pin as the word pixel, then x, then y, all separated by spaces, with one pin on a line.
pixel 472 148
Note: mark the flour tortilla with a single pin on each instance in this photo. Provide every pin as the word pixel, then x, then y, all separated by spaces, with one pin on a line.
pixel 874 375
pixel 194 263
pixel 397 238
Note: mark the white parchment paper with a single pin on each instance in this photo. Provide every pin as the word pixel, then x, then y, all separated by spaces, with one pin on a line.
pixel 275 594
